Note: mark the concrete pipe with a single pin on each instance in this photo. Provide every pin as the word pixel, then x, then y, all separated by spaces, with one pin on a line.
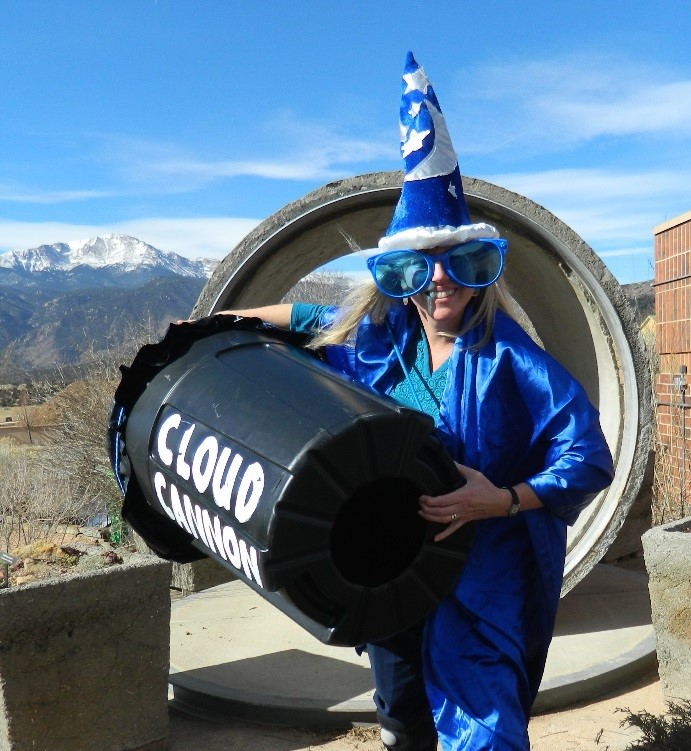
pixel 574 304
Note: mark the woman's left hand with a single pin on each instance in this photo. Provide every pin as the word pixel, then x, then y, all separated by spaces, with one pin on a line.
pixel 479 498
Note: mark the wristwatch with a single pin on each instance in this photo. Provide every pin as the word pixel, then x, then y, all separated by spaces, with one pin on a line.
pixel 515 506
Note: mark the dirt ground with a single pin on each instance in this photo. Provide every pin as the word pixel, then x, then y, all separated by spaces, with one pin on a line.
pixel 592 726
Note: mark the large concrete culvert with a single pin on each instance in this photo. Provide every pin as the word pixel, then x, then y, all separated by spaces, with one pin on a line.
pixel 573 302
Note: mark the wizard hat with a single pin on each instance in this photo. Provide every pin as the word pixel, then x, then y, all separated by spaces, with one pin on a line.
pixel 432 210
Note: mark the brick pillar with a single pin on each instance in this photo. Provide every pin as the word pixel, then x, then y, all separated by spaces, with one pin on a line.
pixel 673 342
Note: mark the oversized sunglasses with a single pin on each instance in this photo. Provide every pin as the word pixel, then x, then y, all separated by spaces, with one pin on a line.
pixel 401 273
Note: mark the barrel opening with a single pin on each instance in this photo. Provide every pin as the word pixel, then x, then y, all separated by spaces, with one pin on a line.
pixel 378 533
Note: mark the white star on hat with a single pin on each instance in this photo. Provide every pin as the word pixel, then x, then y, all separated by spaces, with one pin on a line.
pixel 414 142
pixel 416 81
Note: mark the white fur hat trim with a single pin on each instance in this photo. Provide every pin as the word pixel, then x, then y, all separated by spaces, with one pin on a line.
pixel 423 238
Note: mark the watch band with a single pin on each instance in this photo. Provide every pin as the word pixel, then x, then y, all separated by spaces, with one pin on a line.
pixel 515 506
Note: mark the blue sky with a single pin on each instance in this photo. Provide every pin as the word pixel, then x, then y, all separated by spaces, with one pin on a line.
pixel 185 123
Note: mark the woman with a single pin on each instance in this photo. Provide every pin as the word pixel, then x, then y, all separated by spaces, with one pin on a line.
pixel 434 333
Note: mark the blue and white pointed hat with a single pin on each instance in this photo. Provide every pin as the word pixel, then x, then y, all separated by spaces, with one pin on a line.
pixel 431 211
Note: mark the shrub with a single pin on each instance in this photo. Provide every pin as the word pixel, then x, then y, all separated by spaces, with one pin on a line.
pixel 33 504
pixel 69 480
pixel 77 452
pixel 668 732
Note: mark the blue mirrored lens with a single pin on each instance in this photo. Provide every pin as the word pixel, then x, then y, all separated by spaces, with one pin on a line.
pixel 401 273
pixel 477 263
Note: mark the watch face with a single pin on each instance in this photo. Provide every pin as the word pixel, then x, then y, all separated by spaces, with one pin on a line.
pixel 515 508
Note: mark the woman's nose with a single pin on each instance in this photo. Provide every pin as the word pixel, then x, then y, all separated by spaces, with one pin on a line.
pixel 439 273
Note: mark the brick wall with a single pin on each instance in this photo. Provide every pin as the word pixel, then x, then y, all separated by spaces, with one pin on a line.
pixel 673 342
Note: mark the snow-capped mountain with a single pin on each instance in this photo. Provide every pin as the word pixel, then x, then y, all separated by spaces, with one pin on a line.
pixel 60 301
pixel 118 255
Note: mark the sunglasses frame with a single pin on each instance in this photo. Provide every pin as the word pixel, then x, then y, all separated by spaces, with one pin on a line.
pixel 431 260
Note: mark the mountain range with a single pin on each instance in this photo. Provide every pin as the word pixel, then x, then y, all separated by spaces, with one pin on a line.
pixel 60 301
pixel 110 261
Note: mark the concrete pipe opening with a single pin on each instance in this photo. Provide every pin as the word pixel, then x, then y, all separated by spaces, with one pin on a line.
pixel 574 304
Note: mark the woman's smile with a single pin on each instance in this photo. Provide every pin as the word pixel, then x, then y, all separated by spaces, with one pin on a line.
pixel 440 294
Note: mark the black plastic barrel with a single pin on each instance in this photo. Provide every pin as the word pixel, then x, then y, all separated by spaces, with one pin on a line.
pixel 241 446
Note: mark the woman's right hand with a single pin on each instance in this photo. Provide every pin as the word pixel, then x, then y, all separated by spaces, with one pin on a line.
pixel 478 498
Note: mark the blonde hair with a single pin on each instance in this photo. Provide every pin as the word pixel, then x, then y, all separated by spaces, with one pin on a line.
pixel 367 299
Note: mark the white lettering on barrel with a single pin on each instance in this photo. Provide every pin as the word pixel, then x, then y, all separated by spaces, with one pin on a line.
pixel 203 463
pixel 214 534
pixel 249 562
pixel 170 423
pixel 181 466
pixel 222 488
pixel 218 472
pixel 189 514
pixel 207 527
pixel 252 479
pixel 230 546
pixel 177 508
pixel 159 487
pixel 199 522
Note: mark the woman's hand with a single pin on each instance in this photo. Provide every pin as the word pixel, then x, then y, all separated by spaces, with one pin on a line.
pixel 479 498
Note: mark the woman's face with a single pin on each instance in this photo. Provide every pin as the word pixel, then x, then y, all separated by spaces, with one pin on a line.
pixel 444 301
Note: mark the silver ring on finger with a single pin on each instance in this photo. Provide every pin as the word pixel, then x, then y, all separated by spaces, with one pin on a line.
pixel 453 518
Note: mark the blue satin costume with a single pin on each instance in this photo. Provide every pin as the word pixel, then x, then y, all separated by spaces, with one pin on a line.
pixel 511 411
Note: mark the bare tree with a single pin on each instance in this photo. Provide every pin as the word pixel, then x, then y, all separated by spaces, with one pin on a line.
pixel 321 288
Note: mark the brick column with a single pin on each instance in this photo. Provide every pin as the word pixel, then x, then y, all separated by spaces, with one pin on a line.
pixel 673 342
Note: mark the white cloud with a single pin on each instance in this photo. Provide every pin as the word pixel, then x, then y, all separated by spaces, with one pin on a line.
pixel 210 237
pixel 561 102
pixel 601 226
pixel 285 148
pixel 203 237
pixel 15 194
pixel 663 108
pixel 324 161
pixel 625 252
pixel 204 172
pixel 605 206
pixel 592 184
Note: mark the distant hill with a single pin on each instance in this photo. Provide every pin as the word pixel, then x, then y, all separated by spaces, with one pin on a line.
pixel 642 297
pixel 47 329
pixel 59 302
